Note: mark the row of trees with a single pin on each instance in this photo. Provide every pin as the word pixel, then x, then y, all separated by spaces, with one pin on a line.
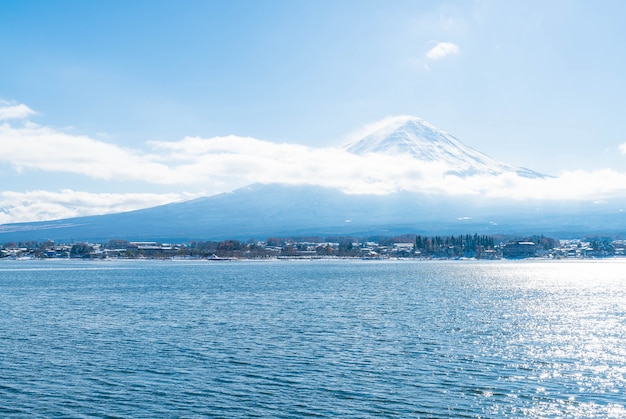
pixel 408 245
pixel 454 246
pixel 227 249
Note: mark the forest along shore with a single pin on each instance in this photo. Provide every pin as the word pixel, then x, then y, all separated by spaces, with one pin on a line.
pixel 406 246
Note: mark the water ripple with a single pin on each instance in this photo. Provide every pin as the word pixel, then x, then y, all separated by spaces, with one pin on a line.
pixel 327 339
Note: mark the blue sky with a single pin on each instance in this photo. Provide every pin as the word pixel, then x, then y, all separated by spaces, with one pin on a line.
pixel 534 83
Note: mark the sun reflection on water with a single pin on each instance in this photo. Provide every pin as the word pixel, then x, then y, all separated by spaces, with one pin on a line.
pixel 568 337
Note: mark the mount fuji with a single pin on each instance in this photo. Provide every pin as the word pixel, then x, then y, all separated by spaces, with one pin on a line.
pixel 282 210
pixel 408 135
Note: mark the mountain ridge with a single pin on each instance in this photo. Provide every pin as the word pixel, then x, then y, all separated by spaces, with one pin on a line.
pixel 416 137
pixel 266 210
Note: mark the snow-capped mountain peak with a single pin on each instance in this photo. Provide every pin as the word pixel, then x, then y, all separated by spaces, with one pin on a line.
pixel 408 135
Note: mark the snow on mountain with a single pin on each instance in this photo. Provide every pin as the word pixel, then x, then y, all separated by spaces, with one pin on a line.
pixel 410 135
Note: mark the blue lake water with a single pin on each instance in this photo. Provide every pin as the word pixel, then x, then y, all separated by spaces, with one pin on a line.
pixel 317 338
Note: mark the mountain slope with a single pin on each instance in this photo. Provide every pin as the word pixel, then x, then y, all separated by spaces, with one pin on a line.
pixel 261 211
pixel 407 135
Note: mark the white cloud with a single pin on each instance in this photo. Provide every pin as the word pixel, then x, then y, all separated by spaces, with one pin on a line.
pixel 8 111
pixel 37 147
pixel 441 50
pixel 221 164
pixel 622 148
pixel 579 185
pixel 47 205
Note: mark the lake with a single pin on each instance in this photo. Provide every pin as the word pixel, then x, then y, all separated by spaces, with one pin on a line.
pixel 316 338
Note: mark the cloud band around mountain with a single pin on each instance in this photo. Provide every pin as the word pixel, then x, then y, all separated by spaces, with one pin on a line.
pixel 39 205
pixel 193 166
